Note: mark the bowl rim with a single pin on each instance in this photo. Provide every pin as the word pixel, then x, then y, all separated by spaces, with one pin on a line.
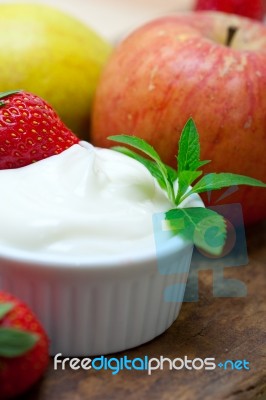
pixel 175 245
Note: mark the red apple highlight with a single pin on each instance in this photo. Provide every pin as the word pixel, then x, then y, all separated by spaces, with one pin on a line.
pixel 188 65
pixel 251 9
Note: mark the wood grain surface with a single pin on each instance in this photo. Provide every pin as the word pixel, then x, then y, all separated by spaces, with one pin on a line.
pixel 224 328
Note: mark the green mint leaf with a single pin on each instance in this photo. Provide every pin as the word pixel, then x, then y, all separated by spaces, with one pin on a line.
pixel 15 342
pixel 189 148
pixel 202 163
pixel 172 173
pixel 150 165
pixel 185 179
pixel 5 308
pixel 204 227
pixel 137 143
pixel 218 181
pixel 143 146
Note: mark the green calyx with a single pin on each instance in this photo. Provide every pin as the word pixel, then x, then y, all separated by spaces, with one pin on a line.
pixel 5 308
pixel 191 223
pixel 3 95
pixel 14 342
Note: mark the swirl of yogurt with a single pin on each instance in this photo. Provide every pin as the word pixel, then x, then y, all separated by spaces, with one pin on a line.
pixel 84 202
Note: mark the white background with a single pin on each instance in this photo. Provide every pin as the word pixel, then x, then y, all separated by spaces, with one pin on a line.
pixel 113 18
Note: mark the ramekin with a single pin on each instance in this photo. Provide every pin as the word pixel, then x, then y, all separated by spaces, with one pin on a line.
pixel 92 308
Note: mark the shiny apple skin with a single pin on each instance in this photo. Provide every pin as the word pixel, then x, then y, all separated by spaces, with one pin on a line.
pixel 178 67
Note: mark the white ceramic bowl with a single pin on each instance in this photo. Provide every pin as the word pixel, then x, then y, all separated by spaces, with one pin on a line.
pixel 93 308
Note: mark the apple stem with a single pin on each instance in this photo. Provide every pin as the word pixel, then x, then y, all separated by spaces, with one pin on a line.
pixel 231 31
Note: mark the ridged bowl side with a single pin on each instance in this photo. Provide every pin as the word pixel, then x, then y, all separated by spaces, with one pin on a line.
pixel 86 314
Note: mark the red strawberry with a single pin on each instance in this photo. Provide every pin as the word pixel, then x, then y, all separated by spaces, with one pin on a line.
pixel 23 347
pixel 247 8
pixel 30 130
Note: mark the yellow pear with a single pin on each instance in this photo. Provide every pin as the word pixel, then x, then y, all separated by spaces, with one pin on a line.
pixel 47 52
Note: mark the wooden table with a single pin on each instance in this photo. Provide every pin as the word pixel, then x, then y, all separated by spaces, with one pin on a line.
pixel 224 328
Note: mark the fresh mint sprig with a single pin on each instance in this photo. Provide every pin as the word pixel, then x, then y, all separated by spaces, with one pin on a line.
pixel 204 227
pixel 159 166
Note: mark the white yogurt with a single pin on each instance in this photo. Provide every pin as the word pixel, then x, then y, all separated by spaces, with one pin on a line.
pixel 85 201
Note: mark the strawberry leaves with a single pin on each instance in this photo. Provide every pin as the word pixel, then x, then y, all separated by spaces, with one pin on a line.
pixel 14 342
pixel 5 308
pixel 24 347
pixel 6 94
pixel 202 226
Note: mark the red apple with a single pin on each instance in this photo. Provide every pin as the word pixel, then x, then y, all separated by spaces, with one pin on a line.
pixel 252 9
pixel 183 66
